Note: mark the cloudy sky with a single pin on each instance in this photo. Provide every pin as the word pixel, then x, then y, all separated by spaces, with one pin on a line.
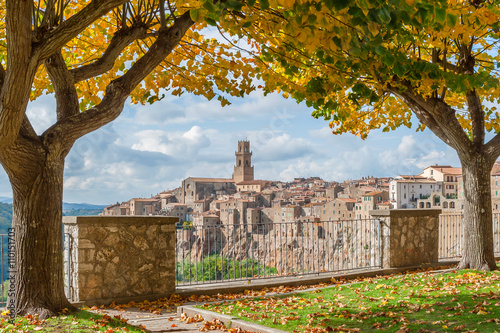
pixel 152 148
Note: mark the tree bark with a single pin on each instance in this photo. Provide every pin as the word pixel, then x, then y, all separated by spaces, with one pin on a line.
pixel 37 215
pixel 478 217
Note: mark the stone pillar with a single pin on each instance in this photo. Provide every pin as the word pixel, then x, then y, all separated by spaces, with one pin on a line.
pixel 408 237
pixel 120 258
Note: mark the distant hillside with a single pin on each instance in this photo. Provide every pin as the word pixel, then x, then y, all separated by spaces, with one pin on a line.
pixel 5 199
pixel 5 217
pixel 82 212
pixel 82 206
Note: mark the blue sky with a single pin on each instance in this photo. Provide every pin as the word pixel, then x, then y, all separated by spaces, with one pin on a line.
pixel 152 148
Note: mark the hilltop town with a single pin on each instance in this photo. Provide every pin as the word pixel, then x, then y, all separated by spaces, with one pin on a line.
pixel 245 200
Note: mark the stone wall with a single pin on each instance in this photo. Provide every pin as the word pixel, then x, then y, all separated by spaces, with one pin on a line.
pixel 126 258
pixel 408 237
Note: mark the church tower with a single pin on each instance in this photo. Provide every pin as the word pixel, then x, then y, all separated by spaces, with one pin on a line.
pixel 243 170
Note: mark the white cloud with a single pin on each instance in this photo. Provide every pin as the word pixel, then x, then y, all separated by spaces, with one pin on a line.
pixel 281 148
pixel 189 108
pixel 42 113
pixel 173 144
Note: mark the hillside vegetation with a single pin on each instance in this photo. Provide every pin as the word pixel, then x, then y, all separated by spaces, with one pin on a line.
pixel 5 217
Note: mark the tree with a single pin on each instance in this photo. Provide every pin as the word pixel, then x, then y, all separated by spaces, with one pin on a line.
pixel 93 56
pixel 369 64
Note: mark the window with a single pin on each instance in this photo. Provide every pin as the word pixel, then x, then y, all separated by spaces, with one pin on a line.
pixel 420 186
pixel 404 196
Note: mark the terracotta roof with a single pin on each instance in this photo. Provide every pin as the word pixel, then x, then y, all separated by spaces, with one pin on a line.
pixel 144 200
pixel 446 169
pixel 452 171
pixel 347 200
pixel 111 206
pixel 372 193
pixel 438 166
pixel 411 177
pixel 212 180
pixel 253 182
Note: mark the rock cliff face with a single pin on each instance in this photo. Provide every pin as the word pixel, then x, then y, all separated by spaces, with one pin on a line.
pixel 286 248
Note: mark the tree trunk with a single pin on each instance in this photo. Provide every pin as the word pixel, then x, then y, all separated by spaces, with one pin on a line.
pixel 478 218
pixel 37 222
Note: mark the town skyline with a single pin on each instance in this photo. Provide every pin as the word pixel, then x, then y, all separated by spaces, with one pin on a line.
pixel 152 148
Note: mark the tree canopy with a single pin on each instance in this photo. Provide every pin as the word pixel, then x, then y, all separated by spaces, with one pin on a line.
pixel 369 64
pixel 93 56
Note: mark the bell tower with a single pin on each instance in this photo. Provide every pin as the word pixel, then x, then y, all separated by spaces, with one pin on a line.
pixel 243 170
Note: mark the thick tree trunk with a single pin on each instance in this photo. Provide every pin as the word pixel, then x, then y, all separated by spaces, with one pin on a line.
pixel 478 218
pixel 37 221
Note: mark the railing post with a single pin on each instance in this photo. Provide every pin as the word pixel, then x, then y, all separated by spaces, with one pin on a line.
pixel 120 258
pixel 408 237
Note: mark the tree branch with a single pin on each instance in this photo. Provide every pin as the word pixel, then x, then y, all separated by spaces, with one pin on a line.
pixel 448 66
pixel 64 86
pixel 492 148
pixel 69 29
pixel 477 118
pixel 2 76
pixel 438 116
pixel 119 42
pixel 20 71
pixel 70 129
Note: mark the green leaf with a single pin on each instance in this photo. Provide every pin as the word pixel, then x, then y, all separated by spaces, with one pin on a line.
pixel 340 4
pixel 247 24
pixel 251 2
pixel 399 70
pixel 451 20
pixel 209 6
pixel 312 18
pixel 440 14
pixel 384 15
pixel 234 5
pixel 194 13
pixel 210 21
pixel 388 59
pixel 264 4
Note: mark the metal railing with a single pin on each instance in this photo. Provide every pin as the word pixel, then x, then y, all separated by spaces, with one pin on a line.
pixel 451 235
pixel 222 253
pixel 4 271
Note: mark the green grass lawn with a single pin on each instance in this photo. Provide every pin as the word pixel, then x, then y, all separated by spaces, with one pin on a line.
pixel 458 301
pixel 79 322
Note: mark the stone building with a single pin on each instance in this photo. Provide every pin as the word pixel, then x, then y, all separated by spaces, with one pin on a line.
pixel 243 170
pixel 406 190
pixel 338 209
pixel 202 205
pixel 140 206
pixel 234 211
pixel 206 219
pixel 194 189
pixel 176 209
pixel 370 201
pixel 251 185
pixel 447 175
pixel 111 210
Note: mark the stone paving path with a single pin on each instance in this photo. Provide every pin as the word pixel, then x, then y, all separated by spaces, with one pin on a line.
pixel 164 322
